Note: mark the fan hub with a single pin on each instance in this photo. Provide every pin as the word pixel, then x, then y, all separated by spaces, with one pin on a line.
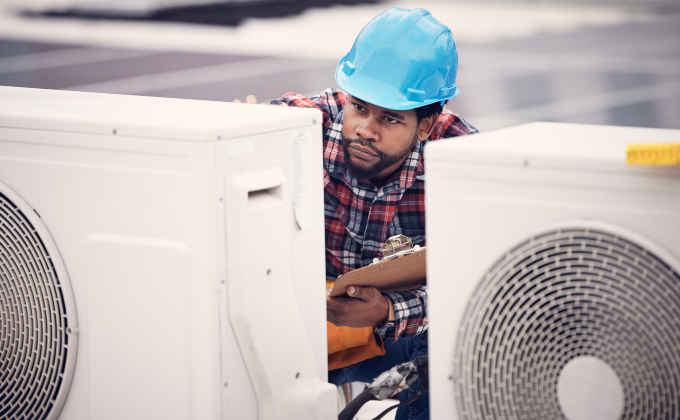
pixel 589 389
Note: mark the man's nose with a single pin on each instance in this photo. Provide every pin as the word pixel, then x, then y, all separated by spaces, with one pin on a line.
pixel 367 130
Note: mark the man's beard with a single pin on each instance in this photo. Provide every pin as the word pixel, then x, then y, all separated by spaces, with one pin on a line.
pixel 385 161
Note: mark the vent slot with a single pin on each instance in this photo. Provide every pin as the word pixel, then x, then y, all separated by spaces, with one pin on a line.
pixel 265 198
pixel 560 296
pixel 33 321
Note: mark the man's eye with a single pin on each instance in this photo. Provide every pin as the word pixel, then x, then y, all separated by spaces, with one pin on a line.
pixel 359 107
pixel 391 120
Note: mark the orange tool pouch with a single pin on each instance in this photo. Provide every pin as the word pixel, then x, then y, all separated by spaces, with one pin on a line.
pixel 347 345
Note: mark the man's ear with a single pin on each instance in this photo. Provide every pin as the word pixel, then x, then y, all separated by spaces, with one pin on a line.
pixel 426 127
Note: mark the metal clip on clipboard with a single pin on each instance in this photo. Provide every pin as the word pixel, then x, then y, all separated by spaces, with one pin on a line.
pixel 402 268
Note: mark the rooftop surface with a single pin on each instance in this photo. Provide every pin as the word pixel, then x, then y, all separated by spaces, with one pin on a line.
pixel 611 64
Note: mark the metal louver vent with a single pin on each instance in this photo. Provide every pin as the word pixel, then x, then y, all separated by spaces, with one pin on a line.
pixel 37 320
pixel 563 295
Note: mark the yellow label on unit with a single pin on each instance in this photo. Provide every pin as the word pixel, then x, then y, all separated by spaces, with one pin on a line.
pixel 658 154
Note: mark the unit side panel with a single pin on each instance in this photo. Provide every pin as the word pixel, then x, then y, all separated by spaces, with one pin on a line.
pixel 298 153
pixel 134 220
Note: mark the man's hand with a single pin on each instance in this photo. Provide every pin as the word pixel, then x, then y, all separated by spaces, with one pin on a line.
pixel 365 307
pixel 250 99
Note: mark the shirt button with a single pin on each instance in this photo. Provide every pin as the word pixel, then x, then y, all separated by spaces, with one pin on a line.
pixel 371 234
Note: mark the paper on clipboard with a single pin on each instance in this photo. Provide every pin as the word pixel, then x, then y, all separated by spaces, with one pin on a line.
pixel 397 274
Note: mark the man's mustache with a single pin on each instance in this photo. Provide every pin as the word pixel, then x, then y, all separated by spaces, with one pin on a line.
pixel 348 141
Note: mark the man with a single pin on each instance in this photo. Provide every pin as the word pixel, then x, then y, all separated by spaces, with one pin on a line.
pixel 399 73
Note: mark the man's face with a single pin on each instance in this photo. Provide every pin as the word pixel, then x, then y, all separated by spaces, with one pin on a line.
pixel 377 140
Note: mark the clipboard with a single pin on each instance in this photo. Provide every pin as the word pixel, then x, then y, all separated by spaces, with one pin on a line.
pixel 397 274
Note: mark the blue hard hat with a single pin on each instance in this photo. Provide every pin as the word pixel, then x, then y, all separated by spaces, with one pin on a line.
pixel 402 59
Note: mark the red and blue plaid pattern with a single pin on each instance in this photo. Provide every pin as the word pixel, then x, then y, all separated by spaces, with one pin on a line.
pixel 360 217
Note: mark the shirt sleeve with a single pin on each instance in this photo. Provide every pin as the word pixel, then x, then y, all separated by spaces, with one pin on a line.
pixel 451 125
pixel 410 310
pixel 330 102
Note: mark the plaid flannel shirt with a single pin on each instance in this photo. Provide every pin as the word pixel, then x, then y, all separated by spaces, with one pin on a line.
pixel 360 217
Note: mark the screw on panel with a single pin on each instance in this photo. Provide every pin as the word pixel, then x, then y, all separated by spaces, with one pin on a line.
pixel 297 375
pixel 115 131
pixel 222 281
pixel 526 163
pixel 226 384
pixel 220 198
pixel 219 137
pixel 314 121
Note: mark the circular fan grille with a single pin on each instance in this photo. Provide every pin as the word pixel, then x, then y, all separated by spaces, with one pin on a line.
pixel 34 339
pixel 563 295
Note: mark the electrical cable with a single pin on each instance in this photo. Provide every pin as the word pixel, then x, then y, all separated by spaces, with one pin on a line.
pixel 355 405
pixel 397 379
pixel 415 397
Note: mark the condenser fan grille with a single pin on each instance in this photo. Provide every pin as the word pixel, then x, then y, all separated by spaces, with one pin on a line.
pixel 34 340
pixel 560 296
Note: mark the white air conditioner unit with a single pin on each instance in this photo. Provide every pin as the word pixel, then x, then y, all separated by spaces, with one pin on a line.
pixel 554 276
pixel 160 259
